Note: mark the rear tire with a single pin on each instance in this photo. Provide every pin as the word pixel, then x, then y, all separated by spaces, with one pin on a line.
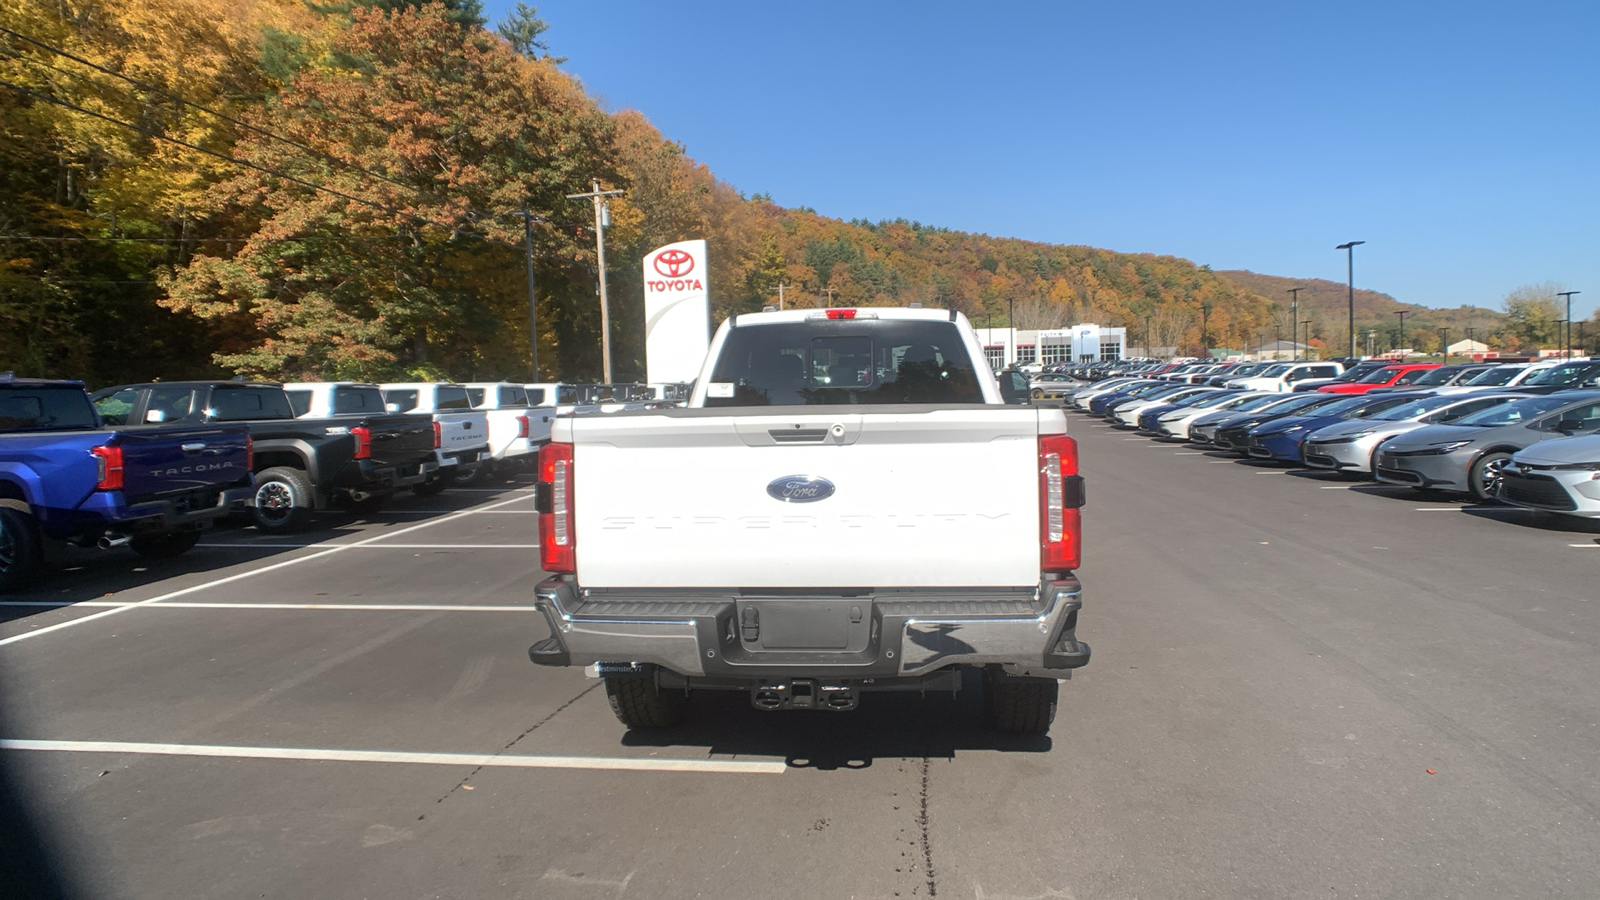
pixel 283 501
pixel 20 556
pixel 164 546
pixel 1018 706
pixel 641 703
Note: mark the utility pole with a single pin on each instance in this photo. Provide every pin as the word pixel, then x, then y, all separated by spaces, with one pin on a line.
pixel 528 218
pixel 1307 324
pixel 1568 340
pixel 1471 350
pixel 1350 250
pixel 1294 316
pixel 1402 345
pixel 1444 342
pixel 1147 338
pixel 602 214
pixel 1371 337
pixel 830 292
pixel 781 286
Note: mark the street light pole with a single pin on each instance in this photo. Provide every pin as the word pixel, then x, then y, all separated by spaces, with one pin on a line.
pixel 601 215
pixel 1568 341
pixel 1307 324
pixel 1444 342
pixel 1350 274
pixel 1294 316
pixel 1147 338
pixel 1402 345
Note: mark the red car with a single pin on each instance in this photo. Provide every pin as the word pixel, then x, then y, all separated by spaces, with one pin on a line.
pixel 1400 374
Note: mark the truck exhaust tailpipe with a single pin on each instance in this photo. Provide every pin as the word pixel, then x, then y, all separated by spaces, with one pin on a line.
pixel 113 540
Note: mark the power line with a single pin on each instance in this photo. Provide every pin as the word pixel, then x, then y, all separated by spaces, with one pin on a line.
pixel 328 157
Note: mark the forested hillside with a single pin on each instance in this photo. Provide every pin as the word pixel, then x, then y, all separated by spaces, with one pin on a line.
pixel 1326 305
pixel 292 190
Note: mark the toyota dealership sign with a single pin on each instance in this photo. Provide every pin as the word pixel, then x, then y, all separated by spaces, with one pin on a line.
pixel 677 312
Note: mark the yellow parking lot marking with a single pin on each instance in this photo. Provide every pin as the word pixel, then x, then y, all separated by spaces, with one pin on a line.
pixel 612 763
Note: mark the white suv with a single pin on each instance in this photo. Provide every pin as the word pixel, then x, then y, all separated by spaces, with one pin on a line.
pixel 1283 377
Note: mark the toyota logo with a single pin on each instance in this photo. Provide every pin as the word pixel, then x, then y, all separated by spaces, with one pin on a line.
pixel 674 263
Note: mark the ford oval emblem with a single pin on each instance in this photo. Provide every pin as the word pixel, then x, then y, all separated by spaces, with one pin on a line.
pixel 800 489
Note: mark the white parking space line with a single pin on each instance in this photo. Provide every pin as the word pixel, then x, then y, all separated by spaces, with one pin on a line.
pixel 1583 545
pixel 248 544
pixel 208 585
pixel 611 763
pixel 359 607
pixel 523 490
pixel 1272 473
pixel 1337 487
pixel 1438 509
pixel 1191 453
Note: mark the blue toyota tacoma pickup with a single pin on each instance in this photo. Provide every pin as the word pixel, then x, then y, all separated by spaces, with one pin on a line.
pixel 65 478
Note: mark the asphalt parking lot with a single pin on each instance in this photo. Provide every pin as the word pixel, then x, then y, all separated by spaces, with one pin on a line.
pixel 1280 660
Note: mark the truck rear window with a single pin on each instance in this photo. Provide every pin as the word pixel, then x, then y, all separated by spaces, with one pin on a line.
pixel 452 396
pixel 241 404
pixel 45 409
pixel 349 401
pixel 846 361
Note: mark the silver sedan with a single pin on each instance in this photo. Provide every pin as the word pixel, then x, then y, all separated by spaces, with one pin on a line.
pixel 1351 446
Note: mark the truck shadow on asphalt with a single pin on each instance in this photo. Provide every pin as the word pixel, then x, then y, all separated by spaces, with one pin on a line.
pixel 887 726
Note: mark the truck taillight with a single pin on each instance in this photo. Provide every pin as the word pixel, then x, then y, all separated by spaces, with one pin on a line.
pixel 1060 496
pixel 438 436
pixel 249 453
pixel 363 436
pixel 109 459
pixel 557 541
pixel 841 314
pixel 523 429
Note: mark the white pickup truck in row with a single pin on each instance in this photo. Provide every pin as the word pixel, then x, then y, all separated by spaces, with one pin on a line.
pixel 461 433
pixel 516 432
pixel 797 532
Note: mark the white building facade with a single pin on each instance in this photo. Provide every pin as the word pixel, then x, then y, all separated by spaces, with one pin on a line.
pixel 1079 343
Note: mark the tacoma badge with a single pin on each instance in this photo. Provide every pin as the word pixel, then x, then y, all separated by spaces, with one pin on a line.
pixel 800 489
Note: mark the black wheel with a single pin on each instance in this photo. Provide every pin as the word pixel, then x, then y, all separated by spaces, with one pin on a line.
pixel 164 546
pixel 641 703
pixel 471 474
pixel 19 548
pixel 1020 706
pixel 1484 476
pixel 283 500
pixel 432 486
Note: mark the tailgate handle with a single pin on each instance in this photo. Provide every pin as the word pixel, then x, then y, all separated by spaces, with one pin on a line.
pixel 799 435
pixel 195 447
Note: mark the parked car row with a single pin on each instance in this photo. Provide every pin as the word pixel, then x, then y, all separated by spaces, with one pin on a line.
pixel 1523 433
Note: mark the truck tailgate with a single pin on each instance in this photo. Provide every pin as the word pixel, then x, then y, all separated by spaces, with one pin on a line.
pixel 160 462
pixel 400 440
pixel 920 497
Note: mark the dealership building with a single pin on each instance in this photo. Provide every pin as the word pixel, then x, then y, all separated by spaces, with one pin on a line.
pixel 1080 343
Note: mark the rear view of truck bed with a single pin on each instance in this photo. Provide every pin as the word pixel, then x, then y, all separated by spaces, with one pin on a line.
pixel 846 507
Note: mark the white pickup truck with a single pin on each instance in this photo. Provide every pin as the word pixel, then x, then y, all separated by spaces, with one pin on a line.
pixel 461 433
pixel 515 432
pixel 796 532
pixel 1284 377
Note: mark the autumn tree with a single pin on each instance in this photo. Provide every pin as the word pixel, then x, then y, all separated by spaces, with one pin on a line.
pixel 1534 314
pixel 423 139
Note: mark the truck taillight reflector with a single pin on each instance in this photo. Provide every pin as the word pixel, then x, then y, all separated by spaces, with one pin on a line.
pixel 523 429
pixel 363 437
pixel 841 314
pixel 249 453
pixel 1060 496
pixel 557 541
pixel 109 459
pixel 438 436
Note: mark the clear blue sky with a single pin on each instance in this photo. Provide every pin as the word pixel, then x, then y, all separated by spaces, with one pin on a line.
pixel 1459 139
